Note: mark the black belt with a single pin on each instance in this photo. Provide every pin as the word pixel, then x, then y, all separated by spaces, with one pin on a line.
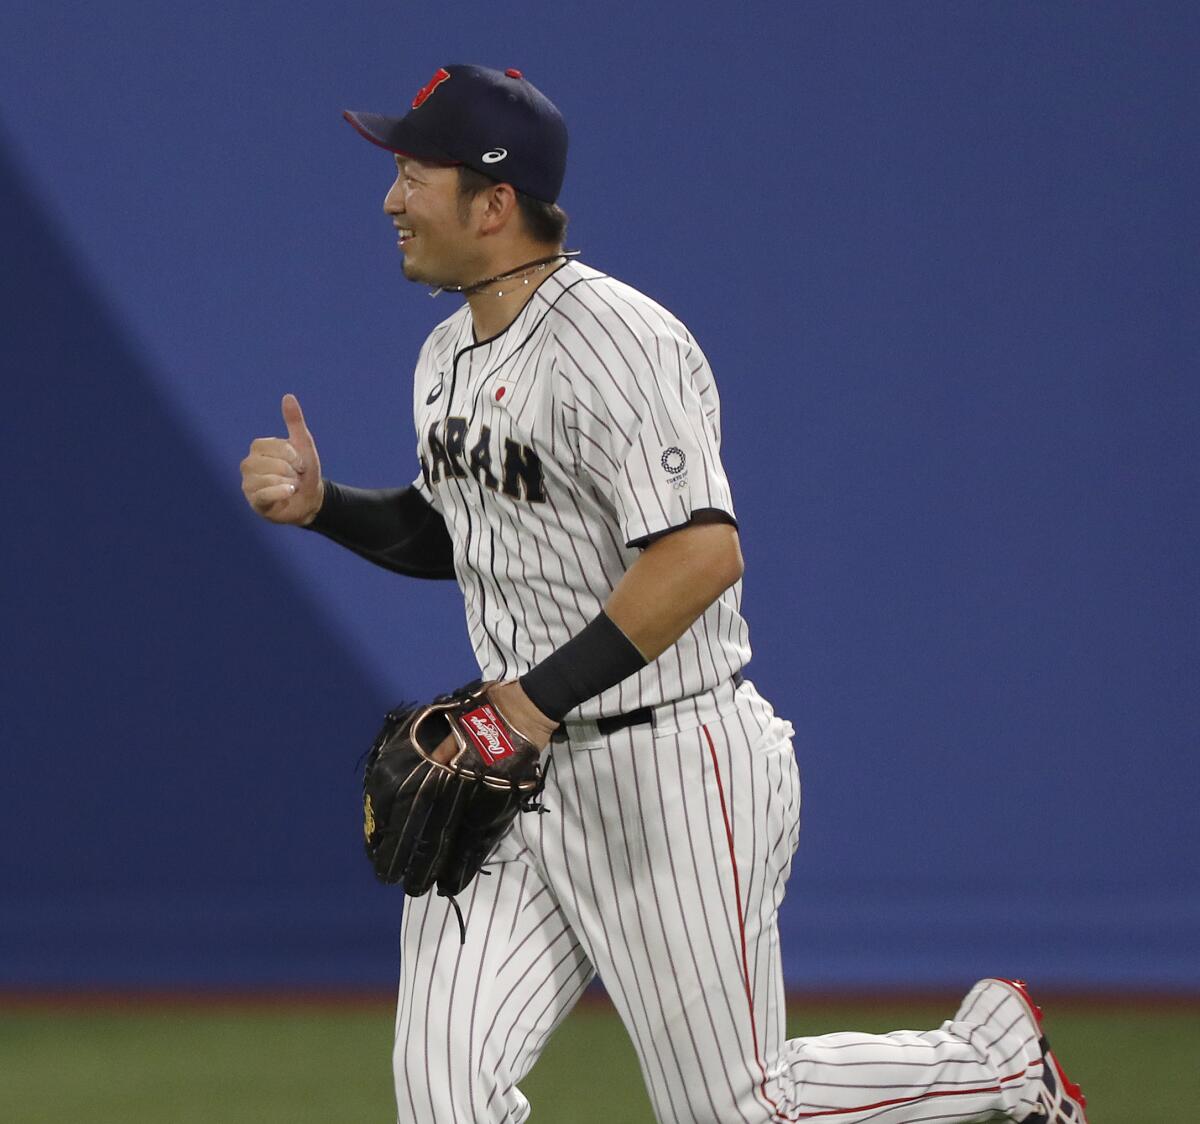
pixel 620 721
pixel 617 722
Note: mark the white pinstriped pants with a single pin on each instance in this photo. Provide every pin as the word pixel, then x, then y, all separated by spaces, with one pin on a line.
pixel 660 865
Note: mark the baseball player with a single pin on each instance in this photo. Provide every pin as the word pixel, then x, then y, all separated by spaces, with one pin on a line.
pixel 568 437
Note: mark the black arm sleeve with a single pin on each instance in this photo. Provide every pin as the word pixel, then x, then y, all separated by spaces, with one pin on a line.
pixel 396 528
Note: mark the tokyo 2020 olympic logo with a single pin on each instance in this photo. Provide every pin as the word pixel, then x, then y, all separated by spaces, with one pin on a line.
pixel 673 460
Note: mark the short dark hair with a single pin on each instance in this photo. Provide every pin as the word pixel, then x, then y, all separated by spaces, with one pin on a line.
pixel 544 222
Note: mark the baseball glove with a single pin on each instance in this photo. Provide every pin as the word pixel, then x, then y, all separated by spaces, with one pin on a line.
pixel 428 823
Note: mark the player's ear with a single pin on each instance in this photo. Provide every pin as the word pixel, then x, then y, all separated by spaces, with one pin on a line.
pixel 500 207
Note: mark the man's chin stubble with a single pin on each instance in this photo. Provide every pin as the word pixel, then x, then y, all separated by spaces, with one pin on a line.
pixel 415 275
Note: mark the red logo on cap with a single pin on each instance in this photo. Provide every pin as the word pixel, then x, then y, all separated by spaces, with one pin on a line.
pixel 441 76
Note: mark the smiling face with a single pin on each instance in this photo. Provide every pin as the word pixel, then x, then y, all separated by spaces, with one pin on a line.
pixel 437 236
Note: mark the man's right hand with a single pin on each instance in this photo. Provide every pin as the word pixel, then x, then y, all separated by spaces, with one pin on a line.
pixel 281 477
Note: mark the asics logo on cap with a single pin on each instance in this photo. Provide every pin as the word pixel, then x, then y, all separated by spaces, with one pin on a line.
pixel 496 155
pixel 442 75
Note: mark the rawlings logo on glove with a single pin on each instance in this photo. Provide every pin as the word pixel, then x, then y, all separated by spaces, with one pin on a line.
pixel 487 732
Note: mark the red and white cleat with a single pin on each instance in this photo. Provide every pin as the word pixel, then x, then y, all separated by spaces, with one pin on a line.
pixel 1060 1100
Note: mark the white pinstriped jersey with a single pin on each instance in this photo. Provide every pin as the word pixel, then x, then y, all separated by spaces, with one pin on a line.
pixel 551 450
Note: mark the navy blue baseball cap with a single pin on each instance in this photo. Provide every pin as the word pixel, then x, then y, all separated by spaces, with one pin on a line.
pixel 491 120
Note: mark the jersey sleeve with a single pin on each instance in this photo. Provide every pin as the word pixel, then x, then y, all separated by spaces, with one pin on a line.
pixel 642 407
pixel 421 380
pixel 421 485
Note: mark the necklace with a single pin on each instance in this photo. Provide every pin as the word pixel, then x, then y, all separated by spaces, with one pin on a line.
pixel 520 273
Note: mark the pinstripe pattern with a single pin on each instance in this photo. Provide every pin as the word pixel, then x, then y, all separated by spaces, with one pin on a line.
pixel 551 450
pixel 643 875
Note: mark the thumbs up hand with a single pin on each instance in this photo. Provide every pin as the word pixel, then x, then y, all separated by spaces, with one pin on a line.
pixel 281 477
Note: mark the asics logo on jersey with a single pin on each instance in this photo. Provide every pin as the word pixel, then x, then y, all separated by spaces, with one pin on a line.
pixel 495 156
pixel 446 453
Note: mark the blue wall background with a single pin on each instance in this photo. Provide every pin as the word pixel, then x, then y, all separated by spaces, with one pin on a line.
pixel 943 259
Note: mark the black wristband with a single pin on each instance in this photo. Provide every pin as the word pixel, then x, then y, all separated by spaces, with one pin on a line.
pixel 593 660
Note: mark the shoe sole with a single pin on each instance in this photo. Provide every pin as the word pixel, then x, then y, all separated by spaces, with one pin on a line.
pixel 1070 1090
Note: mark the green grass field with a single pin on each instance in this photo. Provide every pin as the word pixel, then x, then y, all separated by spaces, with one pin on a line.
pixel 320 1065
